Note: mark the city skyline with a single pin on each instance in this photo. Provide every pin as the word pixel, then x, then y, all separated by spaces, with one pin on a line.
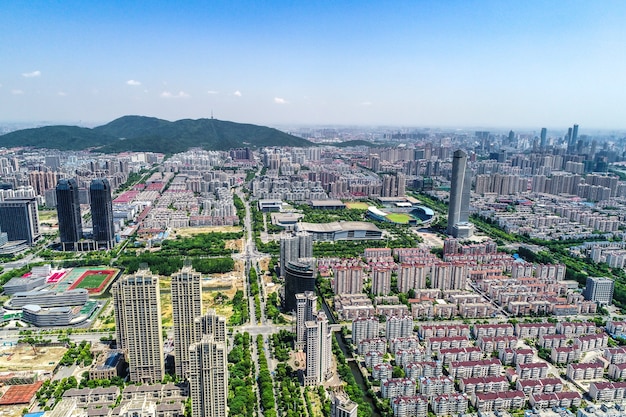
pixel 416 64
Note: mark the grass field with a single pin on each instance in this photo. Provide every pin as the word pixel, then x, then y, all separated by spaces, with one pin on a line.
pixel 401 218
pixel 357 205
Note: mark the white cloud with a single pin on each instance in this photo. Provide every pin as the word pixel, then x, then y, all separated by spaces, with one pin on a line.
pixel 212 92
pixel 366 103
pixel 133 82
pixel 279 100
pixel 237 93
pixel 180 94
pixel 62 94
pixel 31 74
pixel 17 92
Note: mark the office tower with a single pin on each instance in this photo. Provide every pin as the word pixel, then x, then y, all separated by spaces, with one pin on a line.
pixel 19 219
pixel 102 213
pixel 68 209
pixel 293 247
pixel 306 310
pixel 317 350
pixel 208 377
pixel 458 209
pixel 575 134
pixel 186 306
pixel 342 406
pixel 544 134
pixel 136 302
pixel 599 289
pixel 299 278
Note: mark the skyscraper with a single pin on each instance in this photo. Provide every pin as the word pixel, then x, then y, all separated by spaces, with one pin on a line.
pixel 317 350
pixel 306 309
pixel 136 301
pixel 102 213
pixel 19 219
pixel 460 188
pixel 186 306
pixel 299 278
pixel 208 367
pixel 544 134
pixel 68 209
pixel 293 247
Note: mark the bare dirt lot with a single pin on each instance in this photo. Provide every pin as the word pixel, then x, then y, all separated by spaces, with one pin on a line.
pixel 23 358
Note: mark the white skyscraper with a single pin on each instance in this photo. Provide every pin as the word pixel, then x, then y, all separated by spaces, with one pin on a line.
pixel 306 310
pixel 318 350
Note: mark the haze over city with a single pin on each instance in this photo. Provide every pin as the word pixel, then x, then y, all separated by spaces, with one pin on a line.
pixel 414 63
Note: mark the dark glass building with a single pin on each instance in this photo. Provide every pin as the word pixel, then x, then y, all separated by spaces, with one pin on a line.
pixel 19 219
pixel 68 209
pixel 299 278
pixel 102 213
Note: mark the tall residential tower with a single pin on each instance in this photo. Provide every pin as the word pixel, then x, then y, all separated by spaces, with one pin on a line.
pixel 136 301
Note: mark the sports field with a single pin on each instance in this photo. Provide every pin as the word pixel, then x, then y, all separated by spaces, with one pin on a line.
pixel 94 280
pixel 357 205
pixel 401 218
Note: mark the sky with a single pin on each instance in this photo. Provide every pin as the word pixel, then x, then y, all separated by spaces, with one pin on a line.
pixel 468 63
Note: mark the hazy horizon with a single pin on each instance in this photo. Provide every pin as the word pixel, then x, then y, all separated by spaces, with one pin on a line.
pixel 409 64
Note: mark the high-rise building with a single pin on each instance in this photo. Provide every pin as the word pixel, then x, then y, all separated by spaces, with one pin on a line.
pixel 293 247
pixel 208 377
pixel 397 326
pixel 317 350
pixel 102 213
pixel 460 188
pixel 544 134
pixel 19 219
pixel 599 289
pixel 208 367
pixel 137 306
pixel 306 310
pixel 68 209
pixel 364 328
pixel 211 324
pixel 299 278
pixel 186 307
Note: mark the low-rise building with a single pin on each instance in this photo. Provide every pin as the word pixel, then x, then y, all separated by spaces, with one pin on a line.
pixel 564 399
pixel 473 369
pixel 492 330
pixel 564 354
pixel 410 406
pixel 436 385
pixel 617 371
pixel 495 344
pixel 585 371
pixel 449 404
pixel 539 386
pixel 492 401
pixel 395 387
pixel 607 391
pixel 532 370
pixel 483 384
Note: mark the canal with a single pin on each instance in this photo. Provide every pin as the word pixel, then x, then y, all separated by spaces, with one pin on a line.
pixel 356 372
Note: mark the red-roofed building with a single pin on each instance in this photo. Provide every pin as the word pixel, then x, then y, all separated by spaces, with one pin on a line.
pixel 20 394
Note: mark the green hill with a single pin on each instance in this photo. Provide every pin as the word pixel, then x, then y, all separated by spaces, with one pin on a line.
pixel 56 137
pixel 139 133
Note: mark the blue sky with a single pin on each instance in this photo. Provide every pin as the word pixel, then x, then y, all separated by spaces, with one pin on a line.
pixel 415 63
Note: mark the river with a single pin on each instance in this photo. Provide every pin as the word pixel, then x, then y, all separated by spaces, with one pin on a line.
pixel 358 377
